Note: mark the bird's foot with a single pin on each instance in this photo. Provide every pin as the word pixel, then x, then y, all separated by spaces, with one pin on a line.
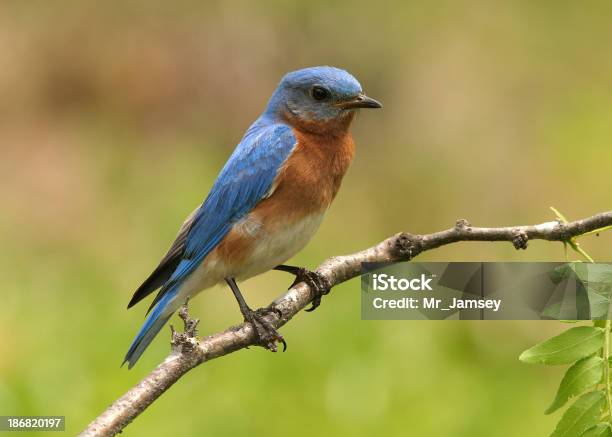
pixel 318 283
pixel 266 333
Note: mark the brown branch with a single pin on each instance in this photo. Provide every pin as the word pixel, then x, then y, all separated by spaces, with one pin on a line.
pixel 188 352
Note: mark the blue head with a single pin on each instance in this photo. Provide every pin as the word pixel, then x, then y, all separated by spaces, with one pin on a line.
pixel 318 94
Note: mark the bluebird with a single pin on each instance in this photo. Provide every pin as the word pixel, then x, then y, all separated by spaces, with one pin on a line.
pixel 265 205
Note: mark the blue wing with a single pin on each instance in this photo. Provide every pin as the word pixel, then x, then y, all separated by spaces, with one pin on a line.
pixel 245 180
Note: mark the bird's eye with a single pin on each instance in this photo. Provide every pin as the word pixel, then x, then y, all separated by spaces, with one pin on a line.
pixel 319 93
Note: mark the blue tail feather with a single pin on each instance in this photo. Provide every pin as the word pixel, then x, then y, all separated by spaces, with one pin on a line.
pixel 152 325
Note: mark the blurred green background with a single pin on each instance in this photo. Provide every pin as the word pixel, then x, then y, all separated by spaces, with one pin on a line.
pixel 115 118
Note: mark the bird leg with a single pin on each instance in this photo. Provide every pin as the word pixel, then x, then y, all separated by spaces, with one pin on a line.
pixel 319 284
pixel 267 335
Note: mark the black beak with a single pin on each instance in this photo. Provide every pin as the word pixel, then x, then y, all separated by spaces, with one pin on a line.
pixel 361 101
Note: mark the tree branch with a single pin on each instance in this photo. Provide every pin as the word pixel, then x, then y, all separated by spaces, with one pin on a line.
pixel 188 352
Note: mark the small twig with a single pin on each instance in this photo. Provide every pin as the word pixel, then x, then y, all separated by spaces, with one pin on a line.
pixel 185 342
pixel 400 247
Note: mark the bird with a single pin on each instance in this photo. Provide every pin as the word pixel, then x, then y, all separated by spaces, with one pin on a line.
pixel 266 203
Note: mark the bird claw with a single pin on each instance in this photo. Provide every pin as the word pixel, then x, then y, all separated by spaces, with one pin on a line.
pixel 319 285
pixel 266 333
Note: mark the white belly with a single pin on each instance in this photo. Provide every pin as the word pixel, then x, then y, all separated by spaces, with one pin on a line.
pixel 272 250
pixel 269 251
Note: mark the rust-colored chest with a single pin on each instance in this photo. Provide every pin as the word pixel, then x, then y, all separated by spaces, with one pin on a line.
pixel 310 179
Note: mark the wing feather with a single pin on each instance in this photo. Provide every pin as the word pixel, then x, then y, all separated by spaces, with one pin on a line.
pixel 246 179
pixel 167 265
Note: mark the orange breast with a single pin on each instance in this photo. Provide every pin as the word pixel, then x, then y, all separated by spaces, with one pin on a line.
pixel 310 179
pixel 305 186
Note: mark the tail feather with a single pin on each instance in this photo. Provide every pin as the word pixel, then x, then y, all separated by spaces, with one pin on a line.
pixel 152 325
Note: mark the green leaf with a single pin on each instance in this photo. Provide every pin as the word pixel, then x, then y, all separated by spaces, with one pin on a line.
pixel 581 376
pixel 553 311
pixel 599 304
pixel 589 273
pixel 593 284
pixel 599 430
pixel 581 416
pixel 567 347
pixel 561 273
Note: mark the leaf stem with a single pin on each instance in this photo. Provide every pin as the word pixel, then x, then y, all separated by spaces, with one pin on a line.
pixel 606 357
